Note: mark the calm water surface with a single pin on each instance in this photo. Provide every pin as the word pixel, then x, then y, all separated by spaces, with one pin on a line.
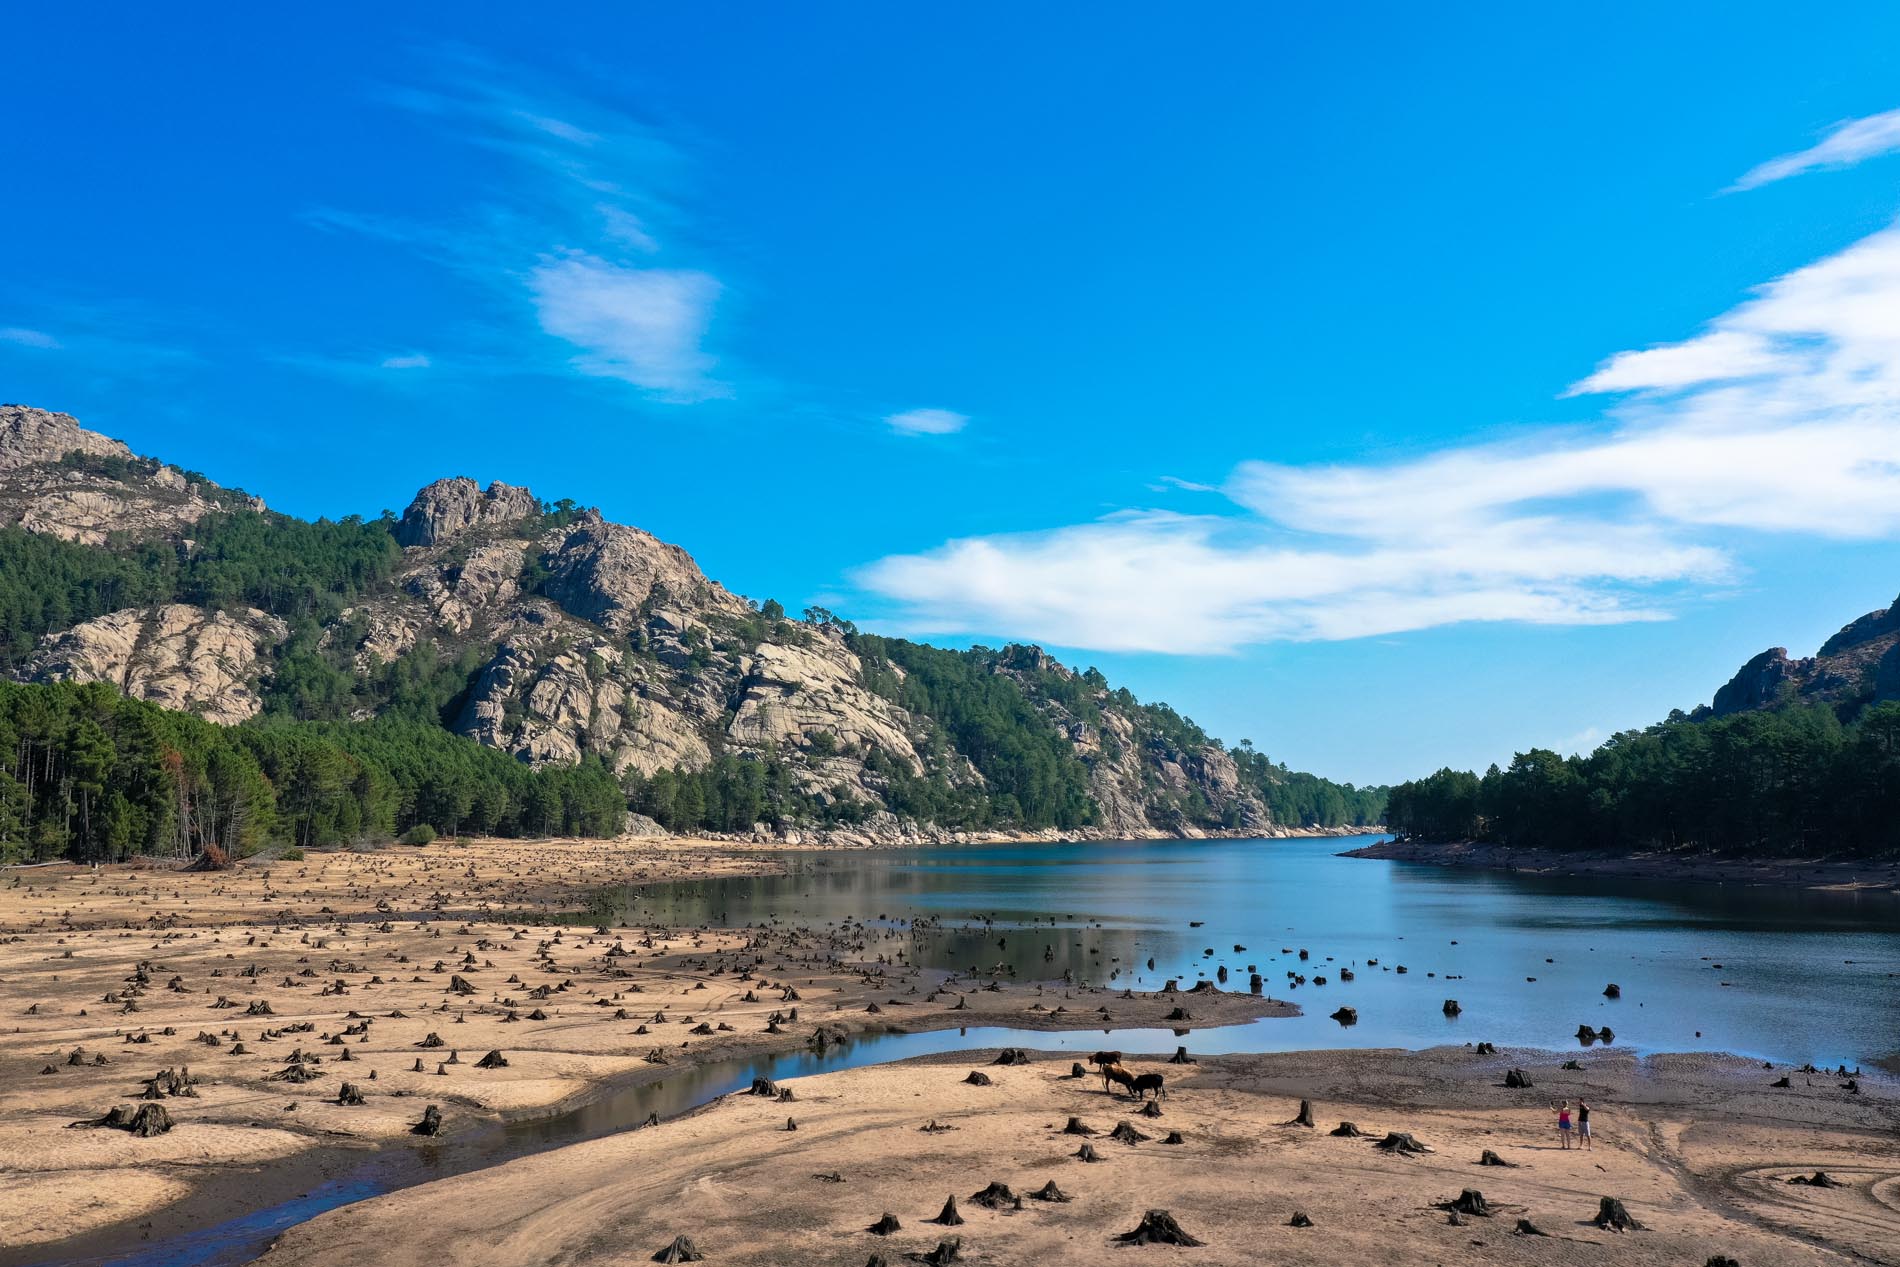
pixel 1785 974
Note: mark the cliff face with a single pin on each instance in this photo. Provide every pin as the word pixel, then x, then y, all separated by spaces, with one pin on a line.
pixel 586 638
pixel 1860 664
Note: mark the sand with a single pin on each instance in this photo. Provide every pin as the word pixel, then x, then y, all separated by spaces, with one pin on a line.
pixel 1695 1149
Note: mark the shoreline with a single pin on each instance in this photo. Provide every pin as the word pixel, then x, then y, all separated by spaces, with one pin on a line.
pixel 1861 875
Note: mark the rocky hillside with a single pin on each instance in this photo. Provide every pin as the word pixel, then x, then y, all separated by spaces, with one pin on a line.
pixel 549 633
pixel 1858 666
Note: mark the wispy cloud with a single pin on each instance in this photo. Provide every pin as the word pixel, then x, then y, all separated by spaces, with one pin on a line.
pixel 575 237
pixel 1844 145
pixel 1782 416
pixel 27 338
pixel 407 361
pixel 926 422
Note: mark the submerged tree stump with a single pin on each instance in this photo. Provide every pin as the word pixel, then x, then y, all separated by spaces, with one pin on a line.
pixel 1451 1007
pixel 1347 1016
pixel 1158 1227
pixel 1611 1216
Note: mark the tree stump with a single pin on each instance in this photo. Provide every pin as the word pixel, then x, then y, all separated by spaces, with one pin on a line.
pixel 1347 1016
pixel 1304 1117
pixel 763 1086
pixel 1158 1227
pixel 1517 1080
pixel 431 1123
pixel 1124 1133
pixel 1470 1201
pixel 1011 1056
pixel 1613 991
pixel 1077 1126
pixel 1348 1130
pixel 1299 1219
pixel 1527 1228
pixel 1174 1137
pixel 1087 1153
pixel 1180 1057
pixel 493 1060
pixel 1611 1216
pixel 886 1225
pixel 1451 1007
pixel 978 1078
pixel 947 1252
pixel 349 1093
pixel 682 1250
pixel 1487 1049
pixel 1049 1192
pixel 1819 1179
pixel 1150 1109
pixel 1782 1081
pixel 948 1216
pixel 1402 1143
pixel 1077 1071
pixel 1489 1158
pixel 997 1196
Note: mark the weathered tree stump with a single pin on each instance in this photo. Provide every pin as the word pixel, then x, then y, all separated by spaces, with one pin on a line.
pixel 1077 1071
pixel 886 1225
pixel 948 1216
pixel 763 1086
pixel 1125 1133
pixel 1347 1016
pixel 1077 1126
pixel 1489 1158
pixel 1087 1153
pixel 1049 1192
pixel 1470 1201
pixel 1527 1228
pixel 1299 1219
pixel 1011 1056
pixel 1819 1179
pixel 948 1250
pixel 1782 1081
pixel 431 1123
pixel 1158 1227
pixel 1518 1080
pixel 1152 1108
pixel 1174 1137
pixel 349 1093
pixel 682 1250
pixel 433 1040
pixel 1304 1117
pixel 978 1078
pixel 493 1060
pixel 1613 991
pixel 1402 1143
pixel 1348 1130
pixel 1451 1007
pixel 1611 1216
pixel 1180 1057
pixel 997 1196
pixel 458 984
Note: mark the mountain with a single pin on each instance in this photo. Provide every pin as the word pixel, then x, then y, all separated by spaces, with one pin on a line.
pixel 1858 666
pixel 546 632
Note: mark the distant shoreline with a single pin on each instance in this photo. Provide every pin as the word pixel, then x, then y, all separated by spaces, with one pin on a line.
pixel 1877 874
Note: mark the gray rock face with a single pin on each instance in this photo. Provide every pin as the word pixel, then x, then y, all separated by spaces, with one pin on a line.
pixel 38 437
pixel 1861 657
pixel 176 655
pixel 448 508
pixel 608 573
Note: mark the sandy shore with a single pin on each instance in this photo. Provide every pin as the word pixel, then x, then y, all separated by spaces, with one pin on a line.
pixel 266 988
pixel 1855 873
pixel 1698 1149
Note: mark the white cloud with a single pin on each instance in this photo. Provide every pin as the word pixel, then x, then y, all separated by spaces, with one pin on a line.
pixel 1783 416
pixel 28 338
pixel 409 361
pixel 926 422
pixel 642 325
pixel 1844 145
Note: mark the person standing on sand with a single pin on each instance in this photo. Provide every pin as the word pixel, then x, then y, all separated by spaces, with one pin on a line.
pixel 1583 1125
pixel 1563 1124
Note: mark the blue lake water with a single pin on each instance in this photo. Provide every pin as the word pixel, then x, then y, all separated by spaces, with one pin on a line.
pixel 1785 974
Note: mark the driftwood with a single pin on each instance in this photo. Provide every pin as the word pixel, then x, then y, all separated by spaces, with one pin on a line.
pixel 1158 1227
pixel 1611 1216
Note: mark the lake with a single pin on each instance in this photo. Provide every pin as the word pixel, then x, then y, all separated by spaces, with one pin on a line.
pixel 1784 974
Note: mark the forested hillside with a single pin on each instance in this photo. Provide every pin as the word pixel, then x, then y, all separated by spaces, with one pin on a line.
pixel 491 662
pixel 1796 756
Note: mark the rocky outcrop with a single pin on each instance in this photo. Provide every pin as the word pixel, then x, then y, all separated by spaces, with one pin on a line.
pixel 448 508
pixel 39 437
pixel 1861 663
pixel 814 694
pixel 182 657
pixel 612 575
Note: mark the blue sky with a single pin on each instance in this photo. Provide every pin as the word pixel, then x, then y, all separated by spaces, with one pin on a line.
pixel 1394 388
